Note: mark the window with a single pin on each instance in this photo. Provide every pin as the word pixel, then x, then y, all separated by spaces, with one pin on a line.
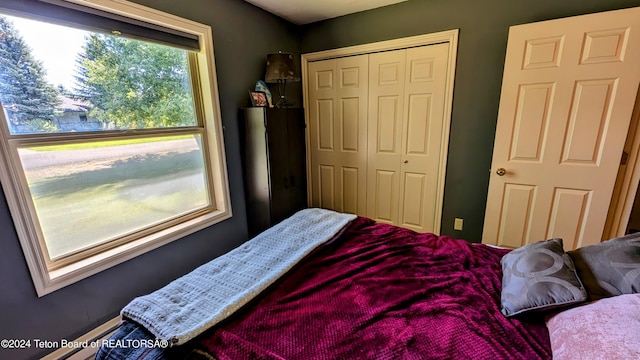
pixel 111 140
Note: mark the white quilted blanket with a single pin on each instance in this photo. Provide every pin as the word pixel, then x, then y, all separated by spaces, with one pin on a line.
pixel 193 303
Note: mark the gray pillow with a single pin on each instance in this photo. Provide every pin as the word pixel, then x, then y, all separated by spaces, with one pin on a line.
pixel 539 276
pixel 610 268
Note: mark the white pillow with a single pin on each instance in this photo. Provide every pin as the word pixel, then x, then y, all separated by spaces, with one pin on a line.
pixel 604 329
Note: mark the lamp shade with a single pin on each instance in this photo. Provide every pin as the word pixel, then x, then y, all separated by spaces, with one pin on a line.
pixel 280 66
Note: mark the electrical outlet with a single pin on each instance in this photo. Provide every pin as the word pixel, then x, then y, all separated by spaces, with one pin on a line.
pixel 457 224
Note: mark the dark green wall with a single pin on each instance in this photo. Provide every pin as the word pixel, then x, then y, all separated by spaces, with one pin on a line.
pixel 484 27
pixel 242 35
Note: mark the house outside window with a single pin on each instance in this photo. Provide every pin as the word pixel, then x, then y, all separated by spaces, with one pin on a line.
pixel 119 151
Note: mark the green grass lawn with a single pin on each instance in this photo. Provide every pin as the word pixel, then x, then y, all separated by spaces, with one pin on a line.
pixel 87 207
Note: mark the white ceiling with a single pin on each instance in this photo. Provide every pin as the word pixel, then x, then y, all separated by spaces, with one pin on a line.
pixel 307 11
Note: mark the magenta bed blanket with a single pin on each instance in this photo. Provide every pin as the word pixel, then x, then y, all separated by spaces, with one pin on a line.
pixel 383 292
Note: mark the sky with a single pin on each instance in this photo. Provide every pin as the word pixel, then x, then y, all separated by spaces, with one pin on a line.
pixel 56 46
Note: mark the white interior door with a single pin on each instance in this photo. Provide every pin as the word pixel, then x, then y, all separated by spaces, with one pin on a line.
pixel 568 92
pixel 338 133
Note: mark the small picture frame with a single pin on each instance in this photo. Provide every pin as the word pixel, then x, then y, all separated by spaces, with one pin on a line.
pixel 258 98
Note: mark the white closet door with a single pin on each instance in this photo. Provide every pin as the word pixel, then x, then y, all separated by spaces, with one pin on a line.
pixel 406 122
pixel 376 133
pixel 568 91
pixel 338 133
pixel 386 101
pixel 423 126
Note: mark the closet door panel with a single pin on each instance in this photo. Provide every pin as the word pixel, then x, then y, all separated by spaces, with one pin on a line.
pixel 338 130
pixel 326 185
pixel 386 108
pixel 414 186
pixel 422 134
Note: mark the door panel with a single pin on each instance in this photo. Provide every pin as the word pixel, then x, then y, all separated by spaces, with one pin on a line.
pixel 326 184
pixel 531 122
pixel 349 121
pixel 588 120
pixel 386 100
pixel 406 121
pixel 387 125
pixel 338 134
pixel 325 122
pixel 423 124
pixel 418 125
pixel 518 198
pixel 413 207
pixel 385 197
pixel 350 180
pixel 568 215
pixel 568 92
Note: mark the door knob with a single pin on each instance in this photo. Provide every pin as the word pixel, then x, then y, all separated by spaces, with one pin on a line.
pixel 501 171
pixel 406 161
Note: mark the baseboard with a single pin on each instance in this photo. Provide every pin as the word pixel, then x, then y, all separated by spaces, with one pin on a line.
pixel 87 344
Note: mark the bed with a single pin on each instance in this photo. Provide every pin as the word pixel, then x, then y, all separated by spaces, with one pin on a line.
pixel 366 290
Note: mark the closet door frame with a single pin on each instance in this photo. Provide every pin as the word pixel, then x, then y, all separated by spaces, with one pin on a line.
pixel 450 36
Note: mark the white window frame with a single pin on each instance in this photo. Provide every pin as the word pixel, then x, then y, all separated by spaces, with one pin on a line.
pixel 12 176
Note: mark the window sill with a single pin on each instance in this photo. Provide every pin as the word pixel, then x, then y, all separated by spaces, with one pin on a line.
pixel 66 275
